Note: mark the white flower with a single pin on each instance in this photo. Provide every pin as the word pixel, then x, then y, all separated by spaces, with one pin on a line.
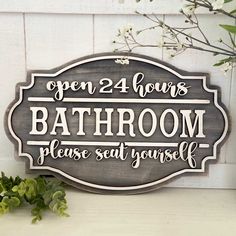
pixel 188 10
pixel 167 33
pixel 165 29
pixel 171 52
pixel 125 30
pixel 226 67
pixel 176 49
pixel 122 61
pixel 179 47
pixel 217 4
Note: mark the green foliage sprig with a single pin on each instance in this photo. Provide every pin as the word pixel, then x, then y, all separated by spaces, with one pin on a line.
pixel 43 194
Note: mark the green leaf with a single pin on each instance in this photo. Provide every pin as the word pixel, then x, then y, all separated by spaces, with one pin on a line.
pixel 229 28
pixel 36 212
pixel 41 184
pixel 233 12
pixel 1 188
pixel 221 62
pixel 15 188
pixel 218 63
pixel 226 1
pixel 15 202
pixel 58 195
pixel 21 189
pixel 41 193
pixel 12 202
pixel 232 40
pixel 3 208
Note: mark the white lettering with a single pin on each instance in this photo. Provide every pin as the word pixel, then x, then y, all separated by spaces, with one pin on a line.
pixel 191 127
pixel 63 123
pixel 36 121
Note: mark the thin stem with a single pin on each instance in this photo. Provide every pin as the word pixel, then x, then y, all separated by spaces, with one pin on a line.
pixel 158 21
pixel 127 44
pixel 200 30
pixel 193 38
pixel 210 8
pixel 143 45
pixel 209 45
pixel 207 50
pixel 232 40
pixel 187 46
pixel 173 35
pixel 227 45
pixel 148 28
pixel 186 28
pixel 205 2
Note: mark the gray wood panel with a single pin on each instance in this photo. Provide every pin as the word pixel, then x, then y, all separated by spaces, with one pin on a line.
pixel 114 174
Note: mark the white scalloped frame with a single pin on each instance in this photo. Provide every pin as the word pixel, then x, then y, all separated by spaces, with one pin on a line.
pixel 91 186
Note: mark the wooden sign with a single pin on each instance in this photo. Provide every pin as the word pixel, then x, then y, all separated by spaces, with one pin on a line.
pixel 106 127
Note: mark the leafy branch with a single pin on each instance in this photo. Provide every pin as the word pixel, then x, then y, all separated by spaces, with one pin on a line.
pixel 177 40
pixel 41 193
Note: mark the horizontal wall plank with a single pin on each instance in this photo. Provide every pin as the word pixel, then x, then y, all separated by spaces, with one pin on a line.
pixel 12 67
pixel 220 176
pixel 93 7
pixel 110 25
pixel 53 40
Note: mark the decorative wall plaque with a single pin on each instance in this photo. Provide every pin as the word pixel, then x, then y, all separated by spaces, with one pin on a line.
pixel 106 127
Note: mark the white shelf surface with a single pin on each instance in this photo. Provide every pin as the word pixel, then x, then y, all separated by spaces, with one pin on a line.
pixel 167 211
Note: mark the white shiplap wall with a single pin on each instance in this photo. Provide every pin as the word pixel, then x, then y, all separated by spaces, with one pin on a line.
pixel 44 34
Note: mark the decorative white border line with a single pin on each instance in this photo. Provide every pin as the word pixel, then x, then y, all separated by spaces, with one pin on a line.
pixel 102 187
pixel 123 100
pixel 97 143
